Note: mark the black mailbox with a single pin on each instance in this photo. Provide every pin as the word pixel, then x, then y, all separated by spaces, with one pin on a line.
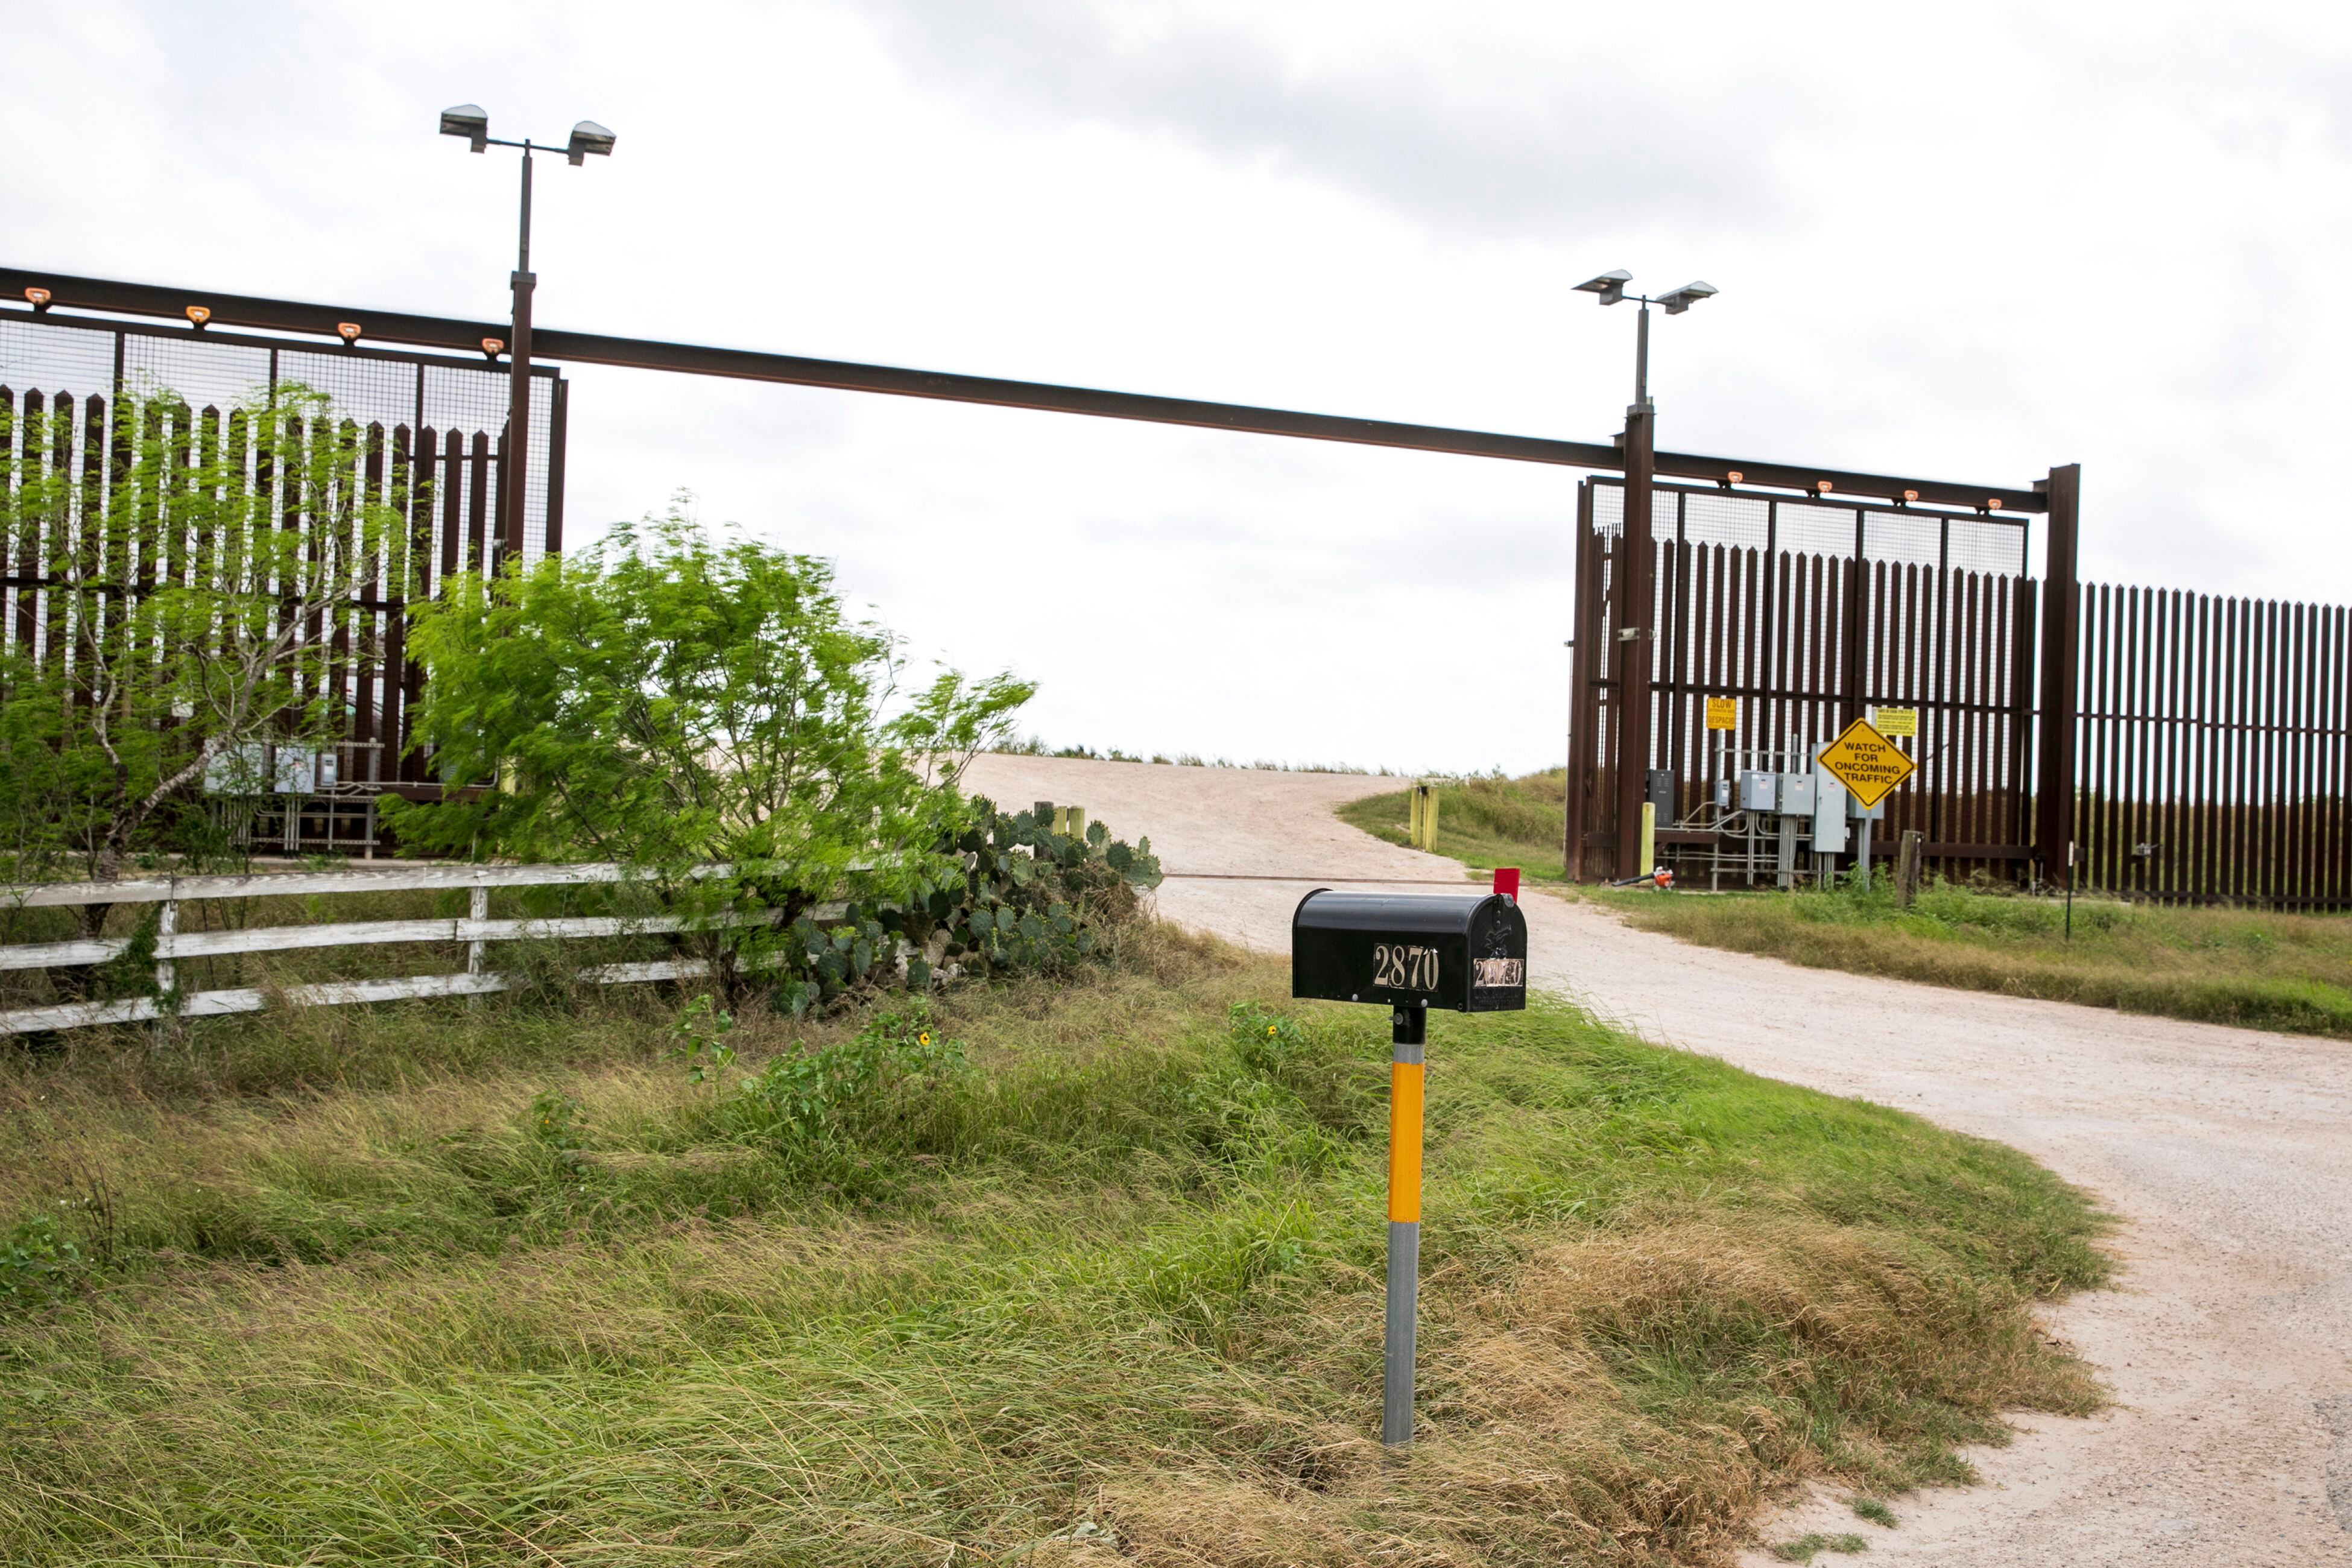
pixel 1465 951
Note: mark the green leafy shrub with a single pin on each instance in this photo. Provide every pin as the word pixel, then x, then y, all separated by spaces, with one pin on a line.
pixel 671 701
pixel 555 1120
pixel 705 712
pixel 832 1092
pixel 702 1028
pixel 38 1260
pixel 1264 1040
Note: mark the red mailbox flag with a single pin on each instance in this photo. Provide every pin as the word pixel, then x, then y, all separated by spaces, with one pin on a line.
pixel 1507 882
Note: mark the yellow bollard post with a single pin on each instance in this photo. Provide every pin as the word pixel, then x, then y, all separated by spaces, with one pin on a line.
pixel 1429 821
pixel 1649 839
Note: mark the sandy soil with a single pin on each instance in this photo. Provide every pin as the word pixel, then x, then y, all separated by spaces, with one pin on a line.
pixel 2228 1345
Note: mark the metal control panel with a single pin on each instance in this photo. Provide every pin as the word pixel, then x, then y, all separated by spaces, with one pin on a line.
pixel 1830 802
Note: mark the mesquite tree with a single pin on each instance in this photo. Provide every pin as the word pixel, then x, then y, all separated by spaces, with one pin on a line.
pixel 669 699
pixel 176 607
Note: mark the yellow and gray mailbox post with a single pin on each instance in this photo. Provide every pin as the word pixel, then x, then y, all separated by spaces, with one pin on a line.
pixel 1409 1032
pixel 1411 953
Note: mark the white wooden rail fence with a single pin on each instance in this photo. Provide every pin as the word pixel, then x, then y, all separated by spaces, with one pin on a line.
pixel 477 930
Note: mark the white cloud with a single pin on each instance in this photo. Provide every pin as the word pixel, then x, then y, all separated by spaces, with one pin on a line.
pixel 1968 243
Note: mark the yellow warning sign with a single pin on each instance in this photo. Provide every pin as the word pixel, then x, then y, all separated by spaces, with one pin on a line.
pixel 1866 763
pixel 1896 720
pixel 1722 713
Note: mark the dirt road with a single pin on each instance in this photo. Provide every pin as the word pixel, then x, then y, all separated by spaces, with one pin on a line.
pixel 2228 1345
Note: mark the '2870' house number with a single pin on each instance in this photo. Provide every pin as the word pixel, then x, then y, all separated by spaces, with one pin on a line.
pixel 1397 966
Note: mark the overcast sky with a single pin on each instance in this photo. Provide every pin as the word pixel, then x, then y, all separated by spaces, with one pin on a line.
pixel 1964 242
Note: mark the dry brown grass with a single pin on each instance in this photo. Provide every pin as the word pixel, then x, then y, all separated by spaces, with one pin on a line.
pixel 1541 1445
pixel 1123 1277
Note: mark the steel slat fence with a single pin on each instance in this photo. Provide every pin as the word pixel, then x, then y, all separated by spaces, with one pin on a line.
pixel 2212 735
pixel 2212 743
pixel 63 383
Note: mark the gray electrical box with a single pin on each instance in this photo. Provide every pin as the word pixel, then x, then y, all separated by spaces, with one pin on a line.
pixel 1861 812
pixel 1830 802
pixel 1661 793
pixel 1723 794
pixel 1758 790
pixel 1796 794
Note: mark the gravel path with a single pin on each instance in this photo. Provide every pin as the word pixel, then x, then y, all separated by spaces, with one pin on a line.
pixel 2228 1345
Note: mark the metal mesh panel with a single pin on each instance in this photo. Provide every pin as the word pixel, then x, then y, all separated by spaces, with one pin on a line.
pixel 1987 546
pixel 1804 526
pixel 36 355
pixel 366 390
pixel 1742 521
pixel 54 356
pixel 470 400
pixel 1807 528
pixel 1608 510
pixel 1907 540
pixel 203 375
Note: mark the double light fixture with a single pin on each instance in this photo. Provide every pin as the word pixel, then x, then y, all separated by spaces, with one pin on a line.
pixel 472 122
pixel 1610 288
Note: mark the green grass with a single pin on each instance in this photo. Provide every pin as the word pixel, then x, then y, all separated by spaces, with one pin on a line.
pixel 347 1298
pixel 2248 967
pixel 1482 822
pixel 1805 1548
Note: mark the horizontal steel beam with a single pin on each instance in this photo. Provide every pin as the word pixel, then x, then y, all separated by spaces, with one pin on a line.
pixel 1845 484
pixel 641 353
pixel 590 348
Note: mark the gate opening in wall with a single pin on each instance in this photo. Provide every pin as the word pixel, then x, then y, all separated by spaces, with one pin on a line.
pixel 1798 615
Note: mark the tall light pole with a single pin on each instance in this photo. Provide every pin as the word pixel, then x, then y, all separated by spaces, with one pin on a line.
pixel 1633 590
pixel 468 120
